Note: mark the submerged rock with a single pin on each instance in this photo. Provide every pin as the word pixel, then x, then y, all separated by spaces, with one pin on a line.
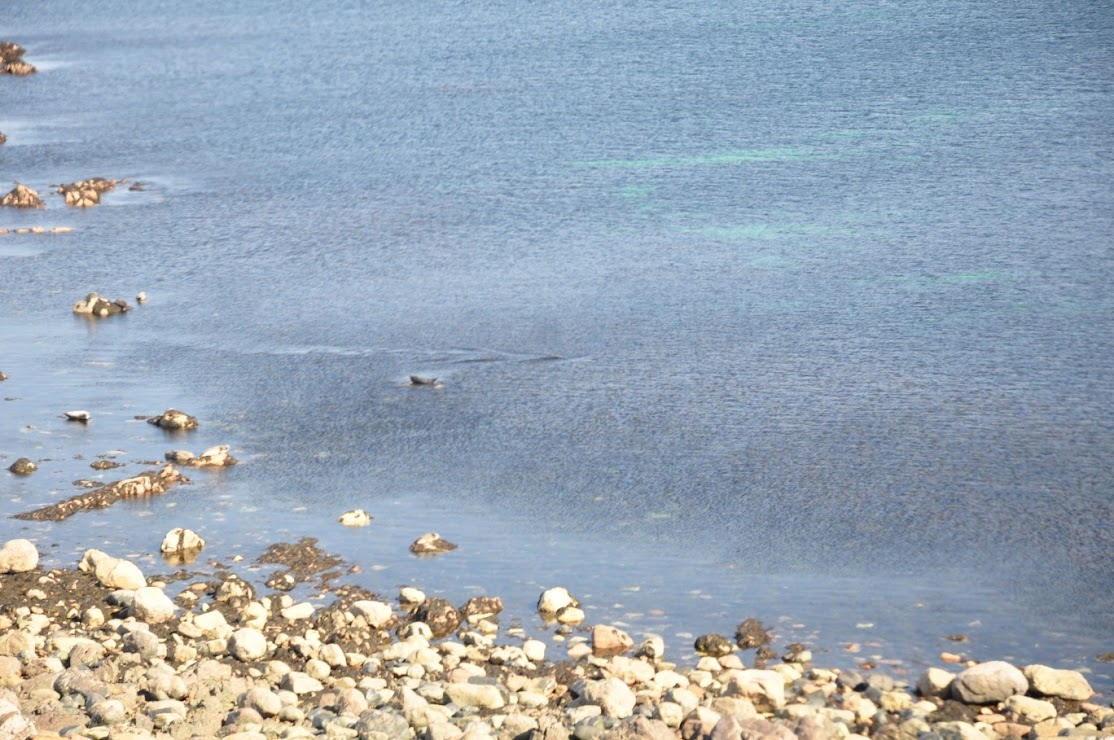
pixel 78 415
pixel 751 634
pixel 555 599
pixel 22 196
pixel 213 457
pixel 149 483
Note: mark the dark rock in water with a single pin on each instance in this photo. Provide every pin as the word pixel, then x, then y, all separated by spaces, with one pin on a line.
pixel 137 186
pixel 11 60
pixel 3 138
pixel 95 305
pixel 430 543
pixel 22 196
pixel 10 50
pixel 23 466
pixel 150 483
pixel 713 644
pixel 441 616
pixel 422 380
pixel 751 634
pixel 105 465
pixel 481 605
pixel 3 377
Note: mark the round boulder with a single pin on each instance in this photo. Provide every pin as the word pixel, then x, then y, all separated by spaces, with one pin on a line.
pixel 23 466
pixel 247 644
pixel 988 683
pixel 151 605
pixel 18 556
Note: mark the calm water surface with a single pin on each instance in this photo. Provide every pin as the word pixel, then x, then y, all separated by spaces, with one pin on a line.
pixel 741 308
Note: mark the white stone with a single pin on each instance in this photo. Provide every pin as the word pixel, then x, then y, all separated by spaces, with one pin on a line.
pixel 555 599
pixel 300 683
pixel 1058 682
pixel 934 682
pixel 212 624
pixel 180 540
pixel 247 644
pixel 534 650
pixel 990 682
pixel 485 696
pixel 151 605
pixel 355 518
pixel 112 572
pixel 571 615
pixel 18 556
pixel 304 610
pixel 765 689
pixel 376 613
pixel 1028 710
pixel 410 596
pixel 78 415
pixel 612 696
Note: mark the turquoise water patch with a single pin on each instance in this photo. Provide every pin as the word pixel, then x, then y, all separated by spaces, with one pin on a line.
pixel 769 262
pixel 787 154
pixel 768 231
pixel 634 192
pixel 845 134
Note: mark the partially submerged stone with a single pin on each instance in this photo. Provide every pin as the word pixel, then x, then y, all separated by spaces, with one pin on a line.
pixel 11 60
pixel 174 419
pixel 431 543
pixel 94 305
pixel 355 518
pixel 608 641
pixel 86 193
pixel 22 196
pixel 181 545
pixel 555 599
pixel 23 466
pixel 77 415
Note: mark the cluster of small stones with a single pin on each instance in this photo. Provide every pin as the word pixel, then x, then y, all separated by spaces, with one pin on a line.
pixel 212 457
pixel 11 60
pixel 103 653
pixel 86 193
pixel 150 483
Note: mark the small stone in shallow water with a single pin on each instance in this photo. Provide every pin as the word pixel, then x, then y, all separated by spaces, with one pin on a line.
pixel 78 415
pixel 23 466
pixel 431 543
pixel 555 599
pixel 18 556
pixel 355 518
pixel 173 419
pixel 713 644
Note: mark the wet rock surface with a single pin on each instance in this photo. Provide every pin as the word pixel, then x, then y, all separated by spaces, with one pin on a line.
pixel 11 60
pixel 150 483
pixel 22 196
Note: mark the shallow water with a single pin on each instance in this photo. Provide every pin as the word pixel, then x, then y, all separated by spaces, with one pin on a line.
pixel 741 309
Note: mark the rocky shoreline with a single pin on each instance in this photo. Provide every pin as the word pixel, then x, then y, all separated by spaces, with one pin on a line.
pixel 102 651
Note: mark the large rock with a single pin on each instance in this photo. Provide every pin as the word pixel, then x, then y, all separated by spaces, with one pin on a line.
pixel 1057 682
pixel 213 457
pixel 934 682
pixel 112 572
pixel 375 613
pixel 355 518
pixel 22 196
pixel 152 605
pixel 988 683
pixel 18 556
pixel 86 193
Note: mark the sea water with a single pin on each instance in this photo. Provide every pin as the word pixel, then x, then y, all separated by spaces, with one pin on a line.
pixel 788 310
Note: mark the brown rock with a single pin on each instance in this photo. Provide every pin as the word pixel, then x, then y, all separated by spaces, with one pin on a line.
pixel 608 641
pixel 22 196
